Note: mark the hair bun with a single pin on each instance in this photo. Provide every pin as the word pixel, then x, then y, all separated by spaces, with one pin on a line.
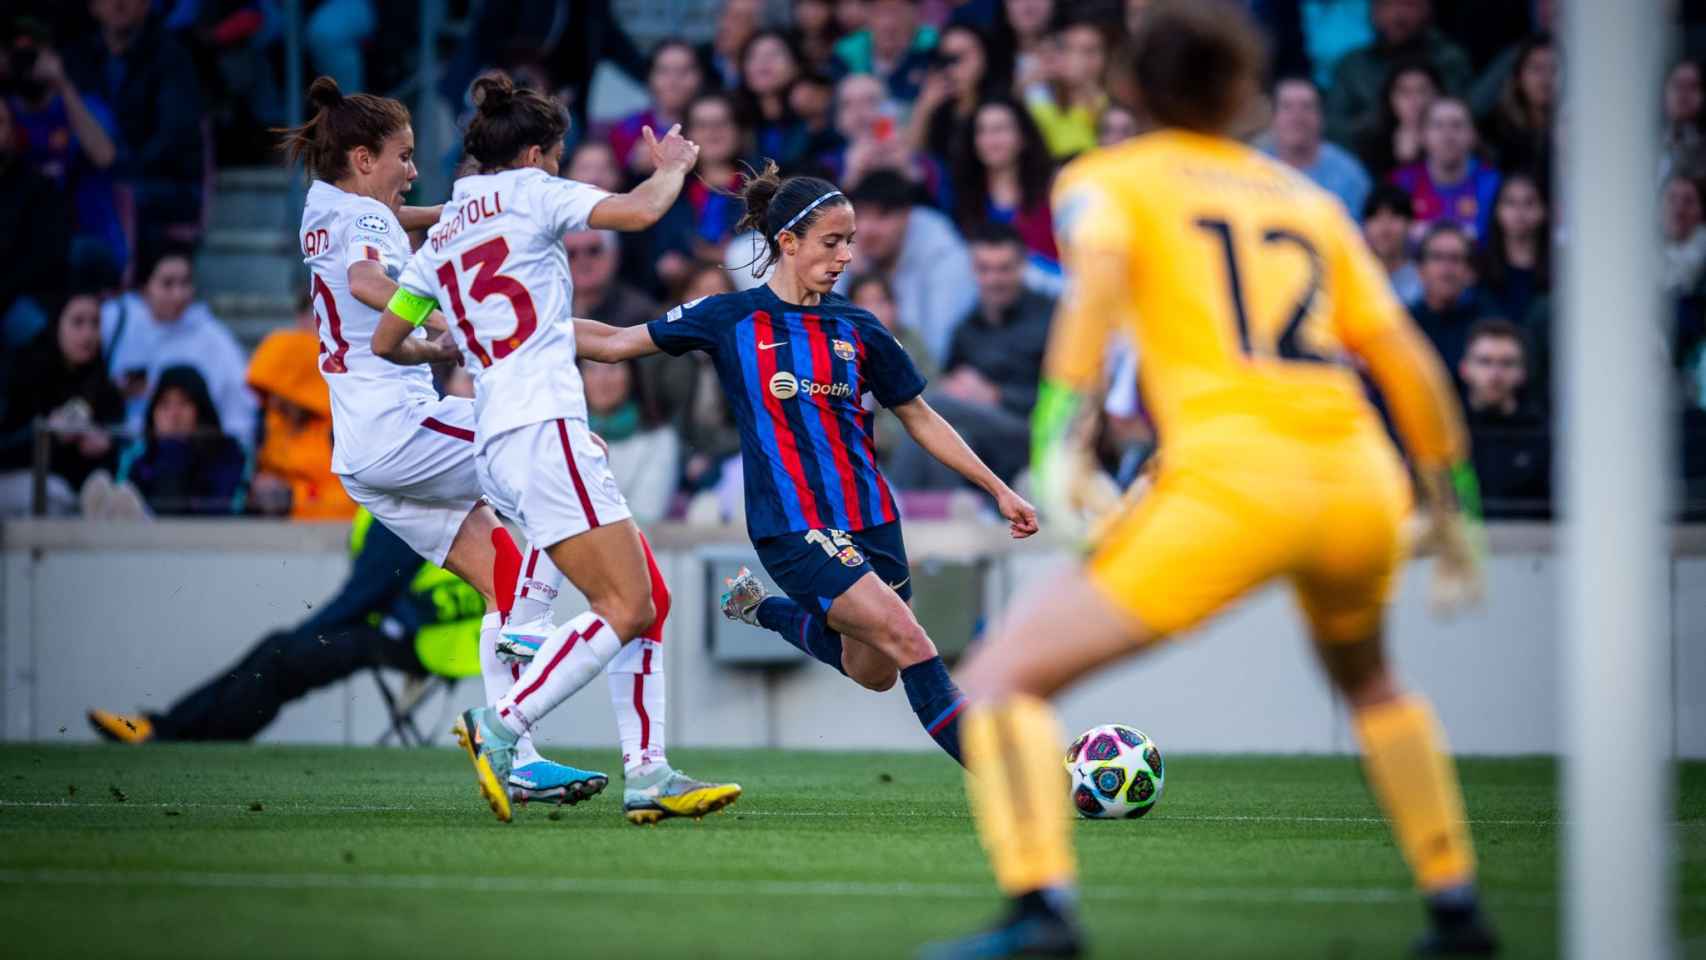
pixel 325 94
pixel 493 92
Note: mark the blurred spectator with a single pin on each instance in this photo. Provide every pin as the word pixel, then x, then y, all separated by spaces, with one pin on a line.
pixel 701 222
pixel 720 58
pixel 1683 216
pixel 149 82
pixel 709 437
pixel 68 138
pixel 600 294
pixel 1295 138
pixel 769 65
pixel 1117 124
pixel 993 364
pixel 1394 138
pixel 643 459
pixel 1403 30
pixel 58 377
pixel 1516 262
pixel 812 99
pixel 673 79
pixel 1450 183
pixel 293 460
pixel 1684 100
pixel 234 43
pixel 1519 127
pixel 1071 96
pixel 814 33
pixel 1386 219
pixel 185 463
pixel 960 77
pixel 1022 33
pixel 565 39
pixel 1004 177
pixel 161 325
pixel 871 292
pixel 335 35
pixel 1510 444
pixel 917 250
pixel 895 48
pixel 851 16
pixel 595 162
pixel 34 240
pixel 1490 85
pixel 865 118
pixel 1449 305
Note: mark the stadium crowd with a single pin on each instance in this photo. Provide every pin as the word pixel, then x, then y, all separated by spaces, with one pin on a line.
pixel 945 122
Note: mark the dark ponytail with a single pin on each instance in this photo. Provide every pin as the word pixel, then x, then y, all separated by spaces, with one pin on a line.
pixel 508 120
pixel 340 124
pixel 774 204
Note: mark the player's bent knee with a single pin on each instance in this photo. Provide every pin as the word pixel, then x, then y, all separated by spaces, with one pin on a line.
pixel 906 640
pixel 629 616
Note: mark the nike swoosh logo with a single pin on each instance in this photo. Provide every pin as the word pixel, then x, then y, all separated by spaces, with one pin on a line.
pixel 896 586
pixel 771 346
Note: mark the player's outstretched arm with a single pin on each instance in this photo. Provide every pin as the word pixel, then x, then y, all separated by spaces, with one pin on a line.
pixel 608 344
pixel 638 209
pixel 418 218
pixel 939 438
pixel 393 339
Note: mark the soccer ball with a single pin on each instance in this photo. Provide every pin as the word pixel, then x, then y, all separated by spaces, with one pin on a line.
pixel 1116 773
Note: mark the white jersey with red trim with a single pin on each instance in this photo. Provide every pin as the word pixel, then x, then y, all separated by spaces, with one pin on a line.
pixel 374 401
pixel 496 265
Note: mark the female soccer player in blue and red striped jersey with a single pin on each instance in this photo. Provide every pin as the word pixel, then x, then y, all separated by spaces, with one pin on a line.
pixel 796 361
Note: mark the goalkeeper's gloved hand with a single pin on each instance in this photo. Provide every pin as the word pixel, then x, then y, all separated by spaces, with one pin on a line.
pixel 1451 530
pixel 1072 491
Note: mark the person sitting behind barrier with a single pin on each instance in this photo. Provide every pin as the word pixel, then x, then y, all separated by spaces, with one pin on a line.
pixel 393 610
pixel 58 378
pixel 184 463
pixel 1512 447
pixel 293 464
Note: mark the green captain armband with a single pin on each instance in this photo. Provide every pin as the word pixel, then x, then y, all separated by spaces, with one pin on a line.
pixel 410 307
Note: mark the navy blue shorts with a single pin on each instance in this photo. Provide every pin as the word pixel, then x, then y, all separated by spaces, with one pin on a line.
pixel 816 566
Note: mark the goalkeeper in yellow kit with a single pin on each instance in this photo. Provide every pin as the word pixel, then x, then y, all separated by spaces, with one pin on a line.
pixel 1252 301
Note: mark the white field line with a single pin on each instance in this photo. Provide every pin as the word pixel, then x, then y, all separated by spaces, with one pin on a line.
pixel 855 813
pixel 725 888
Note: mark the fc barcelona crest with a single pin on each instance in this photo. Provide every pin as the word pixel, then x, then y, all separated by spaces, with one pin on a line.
pixel 850 557
pixel 844 350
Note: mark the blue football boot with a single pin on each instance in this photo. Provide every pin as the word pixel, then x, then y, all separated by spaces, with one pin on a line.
pixel 550 781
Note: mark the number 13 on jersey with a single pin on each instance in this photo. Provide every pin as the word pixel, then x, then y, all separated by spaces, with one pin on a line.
pixel 485 261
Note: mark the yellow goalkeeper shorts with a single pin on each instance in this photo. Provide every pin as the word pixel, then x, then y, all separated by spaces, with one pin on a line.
pixel 1328 518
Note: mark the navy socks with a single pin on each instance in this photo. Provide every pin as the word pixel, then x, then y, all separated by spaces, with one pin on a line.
pixel 811 634
pixel 937 702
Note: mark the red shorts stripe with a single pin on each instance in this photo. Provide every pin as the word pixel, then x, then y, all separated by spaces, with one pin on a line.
pixel 575 475
pixel 439 426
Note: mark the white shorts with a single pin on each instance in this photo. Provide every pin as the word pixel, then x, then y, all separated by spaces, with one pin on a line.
pixel 425 488
pixel 551 479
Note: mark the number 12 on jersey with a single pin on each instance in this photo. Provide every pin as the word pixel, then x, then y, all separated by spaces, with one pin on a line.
pixel 486 260
pixel 1288 345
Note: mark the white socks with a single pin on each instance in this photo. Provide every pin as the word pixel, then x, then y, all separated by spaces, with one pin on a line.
pixel 536 591
pixel 573 654
pixel 498 678
pixel 637 691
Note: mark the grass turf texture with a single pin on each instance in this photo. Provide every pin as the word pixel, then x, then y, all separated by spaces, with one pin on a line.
pixel 186 851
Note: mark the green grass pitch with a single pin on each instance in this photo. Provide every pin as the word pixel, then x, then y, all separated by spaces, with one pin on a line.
pixel 224 851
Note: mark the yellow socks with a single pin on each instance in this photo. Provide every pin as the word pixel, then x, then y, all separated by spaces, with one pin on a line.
pixel 1405 759
pixel 1018 790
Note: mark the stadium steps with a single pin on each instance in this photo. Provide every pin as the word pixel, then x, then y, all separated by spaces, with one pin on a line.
pixel 249 270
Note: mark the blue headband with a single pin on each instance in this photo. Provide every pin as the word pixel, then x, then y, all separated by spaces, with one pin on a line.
pixel 809 208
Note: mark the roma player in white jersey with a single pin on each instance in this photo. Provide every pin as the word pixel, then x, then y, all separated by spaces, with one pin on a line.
pixel 402 451
pixel 495 264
